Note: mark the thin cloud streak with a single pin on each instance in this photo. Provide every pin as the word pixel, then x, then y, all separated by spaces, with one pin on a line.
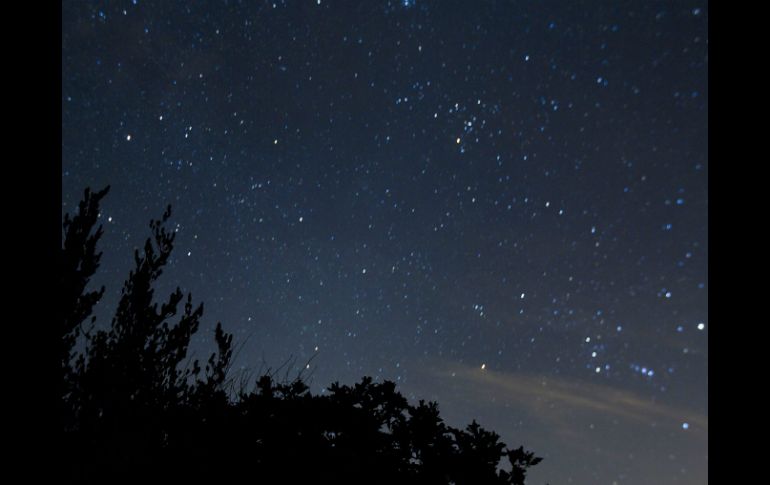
pixel 548 397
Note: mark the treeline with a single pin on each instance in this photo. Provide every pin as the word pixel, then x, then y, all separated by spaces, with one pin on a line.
pixel 135 408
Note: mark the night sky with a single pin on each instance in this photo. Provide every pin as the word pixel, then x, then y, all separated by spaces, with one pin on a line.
pixel 501 206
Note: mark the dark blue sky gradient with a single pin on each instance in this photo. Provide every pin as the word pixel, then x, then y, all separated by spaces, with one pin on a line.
pixel 419 189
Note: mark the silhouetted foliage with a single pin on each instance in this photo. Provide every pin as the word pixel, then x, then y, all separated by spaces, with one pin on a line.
pixel 78 262
pixel 134 411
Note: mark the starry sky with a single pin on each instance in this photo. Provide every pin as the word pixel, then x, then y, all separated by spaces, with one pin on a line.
pixel 499 205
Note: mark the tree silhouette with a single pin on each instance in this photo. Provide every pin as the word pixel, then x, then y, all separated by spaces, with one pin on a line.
pixel 78 261
pixel 133 410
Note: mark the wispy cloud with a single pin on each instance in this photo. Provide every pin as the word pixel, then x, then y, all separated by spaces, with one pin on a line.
pixel 555 399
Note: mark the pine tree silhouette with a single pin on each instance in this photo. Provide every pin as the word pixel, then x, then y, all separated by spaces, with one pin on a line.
pixel 78 261
pixel 134 410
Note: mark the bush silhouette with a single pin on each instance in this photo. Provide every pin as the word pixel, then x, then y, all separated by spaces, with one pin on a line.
pixel 133 409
